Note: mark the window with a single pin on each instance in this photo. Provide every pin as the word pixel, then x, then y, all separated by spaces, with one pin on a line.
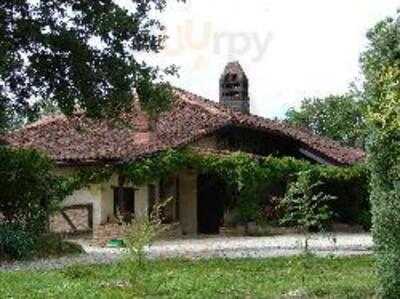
pixel 124 203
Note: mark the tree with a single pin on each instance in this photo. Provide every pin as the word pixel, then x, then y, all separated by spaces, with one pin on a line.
pixel 383 52
pixel 381 66
pixel 79 54
pixel 66 55
pixel 305 207
pixel 337 117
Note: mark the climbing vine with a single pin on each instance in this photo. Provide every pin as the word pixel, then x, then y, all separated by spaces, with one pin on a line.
pixel 246 176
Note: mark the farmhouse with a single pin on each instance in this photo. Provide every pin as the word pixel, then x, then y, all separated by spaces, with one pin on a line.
pixel 79 142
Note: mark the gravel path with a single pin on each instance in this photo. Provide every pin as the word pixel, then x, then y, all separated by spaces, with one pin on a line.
pixel 225 247
pixel 259 247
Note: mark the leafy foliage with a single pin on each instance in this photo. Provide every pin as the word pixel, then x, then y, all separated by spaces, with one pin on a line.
pixel 15 243
pixel 54 245
pixel 143 231
pixel 140 234
pixel 79 53
pixel 29 190
pixel 29 193
pixel 306 207
pixel 381 66
pixel 384 158
pixel 341 118
pixel 382 53
pixel 246 178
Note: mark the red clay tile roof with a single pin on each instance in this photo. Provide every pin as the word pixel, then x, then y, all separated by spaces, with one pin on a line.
pixel 79 140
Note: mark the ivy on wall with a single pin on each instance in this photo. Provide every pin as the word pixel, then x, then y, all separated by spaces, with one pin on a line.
pixel 246 176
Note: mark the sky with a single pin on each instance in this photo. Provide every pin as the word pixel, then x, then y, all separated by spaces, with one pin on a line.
pixel 290 49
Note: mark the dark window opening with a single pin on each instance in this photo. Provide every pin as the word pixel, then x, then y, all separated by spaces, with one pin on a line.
pixel 256 142
pixel 212 194
pixel 124 203
pixel 231 93
pixel 232 85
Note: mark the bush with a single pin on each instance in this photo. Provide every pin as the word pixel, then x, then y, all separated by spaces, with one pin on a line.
pixel 350 187
pixel 143 231
pixel 29 189
pixel 306 208
pixel 140 234
pixel 364 219
pixel 15 243
pixel 29 193
pixel 381 70
pixel 52 245
pixel 384 161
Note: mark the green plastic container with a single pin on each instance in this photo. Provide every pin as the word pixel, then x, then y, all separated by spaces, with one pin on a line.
pixel 115 243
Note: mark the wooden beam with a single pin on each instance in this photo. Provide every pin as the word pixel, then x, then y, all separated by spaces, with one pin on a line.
pixel 314 157
pixel 66 217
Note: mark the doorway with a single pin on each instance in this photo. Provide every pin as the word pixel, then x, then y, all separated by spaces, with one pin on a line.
pixel 210 204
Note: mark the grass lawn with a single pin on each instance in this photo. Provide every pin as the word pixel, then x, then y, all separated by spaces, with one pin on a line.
pixel 330 277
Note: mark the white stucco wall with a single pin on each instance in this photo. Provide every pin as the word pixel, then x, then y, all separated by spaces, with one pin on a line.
pixel 107 203
pixel 91 195
pixel 101 197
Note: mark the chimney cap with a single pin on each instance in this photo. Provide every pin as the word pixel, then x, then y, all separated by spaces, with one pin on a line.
pixel 234 67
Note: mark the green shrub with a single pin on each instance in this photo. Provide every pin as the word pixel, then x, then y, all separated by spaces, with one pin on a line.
pixel 29 193
pixel 29 189
pixel 384 161
pixel 52 245
pixel 305 207
pixel 364 218
pixel 143 231
pixel 381 72
pixel 350 186
pixel 15 243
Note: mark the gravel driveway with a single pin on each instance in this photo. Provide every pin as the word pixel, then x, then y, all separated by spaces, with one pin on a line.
pixel 222 247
